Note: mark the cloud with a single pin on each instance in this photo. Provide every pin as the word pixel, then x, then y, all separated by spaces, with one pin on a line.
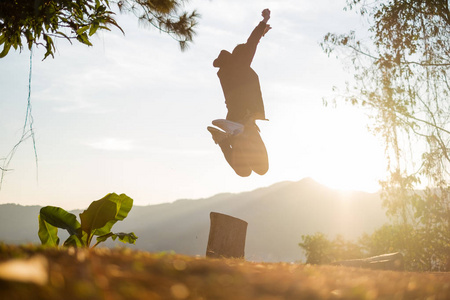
pixel 113 144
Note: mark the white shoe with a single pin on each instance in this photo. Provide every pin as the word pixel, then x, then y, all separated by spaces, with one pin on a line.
pixel 230 127
pixel 217 135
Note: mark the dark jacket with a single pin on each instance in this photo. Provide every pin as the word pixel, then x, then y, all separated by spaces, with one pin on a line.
pixel 240 84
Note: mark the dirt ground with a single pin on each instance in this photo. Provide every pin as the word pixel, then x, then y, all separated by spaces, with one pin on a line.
pixel 31 272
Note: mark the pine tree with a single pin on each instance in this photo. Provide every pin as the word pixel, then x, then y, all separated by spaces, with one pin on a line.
pixel 38 22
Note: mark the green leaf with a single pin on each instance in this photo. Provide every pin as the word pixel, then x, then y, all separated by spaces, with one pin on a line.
pixel 5 51
pixel 60 218
pixel 64 35
pixel 93 28
pixel 98 214
pixel 83 38
pixel 73 241
pixel 123 205
pixel 129 238
pixel 47 233
pixel 81 30
pixel 104 237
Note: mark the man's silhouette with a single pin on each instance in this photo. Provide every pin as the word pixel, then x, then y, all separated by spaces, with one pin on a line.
pixel 241 143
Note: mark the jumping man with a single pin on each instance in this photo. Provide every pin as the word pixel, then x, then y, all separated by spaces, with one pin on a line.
pixel 240 141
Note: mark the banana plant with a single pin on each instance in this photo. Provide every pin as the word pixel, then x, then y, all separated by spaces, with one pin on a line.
pixel 96 220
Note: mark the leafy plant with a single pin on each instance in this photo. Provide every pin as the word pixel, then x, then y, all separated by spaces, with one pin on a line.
pixel 97 220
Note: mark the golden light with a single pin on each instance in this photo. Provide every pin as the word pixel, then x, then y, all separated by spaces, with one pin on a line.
pixel 336 150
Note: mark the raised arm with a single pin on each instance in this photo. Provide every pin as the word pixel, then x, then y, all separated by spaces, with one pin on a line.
pixel 260 30
pixel 247 50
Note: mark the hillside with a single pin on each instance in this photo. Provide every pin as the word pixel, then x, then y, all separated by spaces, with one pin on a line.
pixel 277 215
pixel 39 273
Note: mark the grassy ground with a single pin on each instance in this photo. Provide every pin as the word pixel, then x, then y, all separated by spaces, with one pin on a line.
pixel 29 272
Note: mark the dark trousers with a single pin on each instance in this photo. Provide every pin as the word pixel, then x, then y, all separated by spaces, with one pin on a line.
pixel 246 152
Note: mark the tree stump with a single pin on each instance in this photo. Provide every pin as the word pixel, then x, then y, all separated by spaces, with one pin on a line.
pixel 226 236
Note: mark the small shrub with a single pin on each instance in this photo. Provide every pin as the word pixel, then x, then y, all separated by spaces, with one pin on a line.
pixel 97 220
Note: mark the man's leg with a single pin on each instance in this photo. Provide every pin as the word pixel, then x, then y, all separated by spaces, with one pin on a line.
pixel 233 154
pixel 233 128
pixel 235 157
pixel 256 153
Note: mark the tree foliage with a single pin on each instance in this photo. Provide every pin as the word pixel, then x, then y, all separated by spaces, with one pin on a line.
pixel 320 250
pixel 421 250
pixel 401 78
pixel 38 22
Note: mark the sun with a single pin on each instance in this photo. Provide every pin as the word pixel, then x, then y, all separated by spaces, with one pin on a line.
pixel 360 168
pixel 336 150
pixel 353 159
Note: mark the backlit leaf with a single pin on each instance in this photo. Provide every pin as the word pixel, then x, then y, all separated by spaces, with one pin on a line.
pixel 123 204
pixel 60 218
pixel 98 214
pixel 47 233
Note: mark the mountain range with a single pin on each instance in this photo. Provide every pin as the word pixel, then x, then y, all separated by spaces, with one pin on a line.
pixel 277 217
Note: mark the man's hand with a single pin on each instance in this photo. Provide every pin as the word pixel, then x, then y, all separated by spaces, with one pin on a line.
pixel 268 27
pixel 266 15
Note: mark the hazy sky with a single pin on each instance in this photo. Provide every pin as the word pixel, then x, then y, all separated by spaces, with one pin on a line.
pixel 129 115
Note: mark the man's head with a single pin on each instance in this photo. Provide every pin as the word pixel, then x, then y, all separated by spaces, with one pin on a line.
pixel 238 50
pixel 226 57
pixel 222 59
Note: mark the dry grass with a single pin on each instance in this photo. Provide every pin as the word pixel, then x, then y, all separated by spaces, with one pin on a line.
pixel 126 274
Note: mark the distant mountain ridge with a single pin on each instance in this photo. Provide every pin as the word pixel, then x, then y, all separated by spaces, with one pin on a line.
pixel 277 217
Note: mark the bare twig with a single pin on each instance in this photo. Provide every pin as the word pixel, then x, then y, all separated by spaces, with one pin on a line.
pixel 26 133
